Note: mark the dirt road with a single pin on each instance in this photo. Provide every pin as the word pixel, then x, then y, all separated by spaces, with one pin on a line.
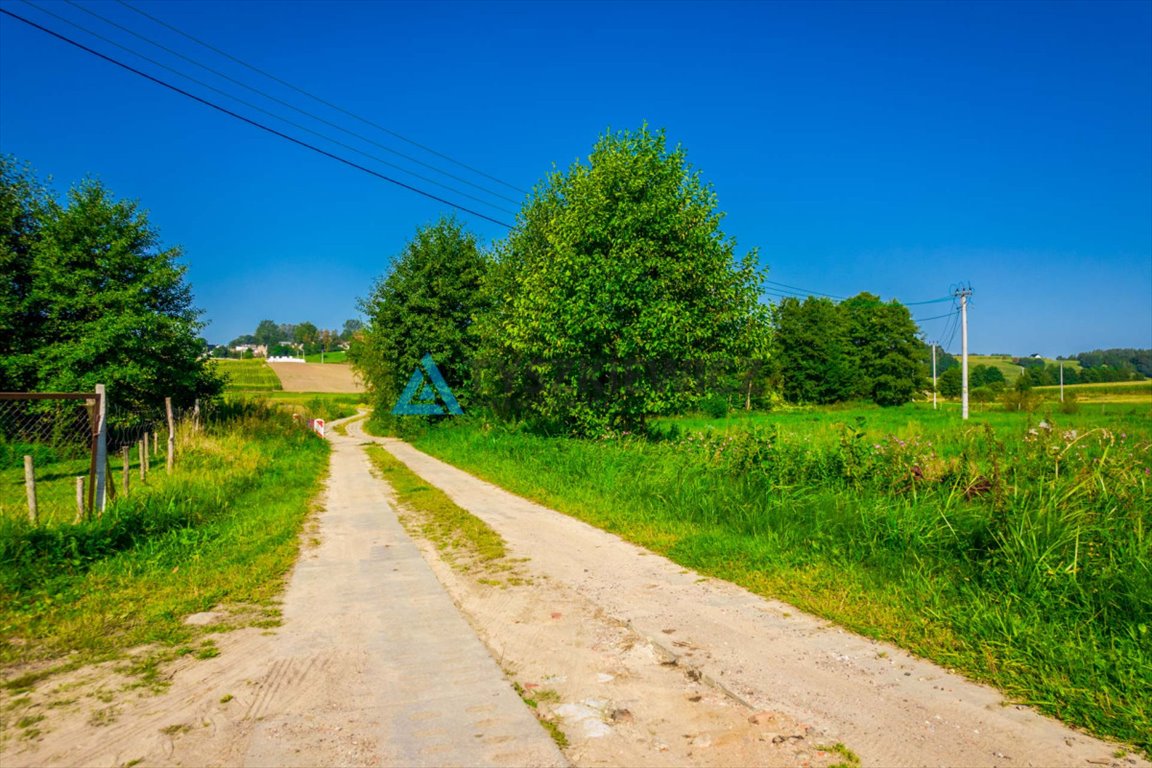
pixel 637 662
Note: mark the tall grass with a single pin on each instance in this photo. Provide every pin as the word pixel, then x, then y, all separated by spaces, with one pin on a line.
pixel 1016 552
pixel 222 530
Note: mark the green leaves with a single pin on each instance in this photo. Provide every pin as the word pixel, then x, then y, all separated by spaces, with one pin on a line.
pixel 860 348
pixel 426 304
pixel 99 300
pixel 618 297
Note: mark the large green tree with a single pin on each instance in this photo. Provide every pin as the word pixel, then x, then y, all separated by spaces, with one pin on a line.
pixel 883 343
pixel 108 304
pixel 860 348
pixel 267 333
pixel 425 304
pixel 813 358
pixel 24 205
pixel 617 296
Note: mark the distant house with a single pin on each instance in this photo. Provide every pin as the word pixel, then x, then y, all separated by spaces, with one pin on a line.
pixel 1036 356
pixel 257 350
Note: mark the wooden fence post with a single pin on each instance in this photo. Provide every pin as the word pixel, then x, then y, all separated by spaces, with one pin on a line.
pixel 101 448
pixel 143 455
pixel 30 489
pixel 196 416
pixel 155 445
pixel 125 457
pixel 80 505
pixel 171 436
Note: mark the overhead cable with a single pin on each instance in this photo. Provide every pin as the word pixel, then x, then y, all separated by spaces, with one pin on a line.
pixel 328 104
pixel 258 108
pixel 282 102
pixel 250 121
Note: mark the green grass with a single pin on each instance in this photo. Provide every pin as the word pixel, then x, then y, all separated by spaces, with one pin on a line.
pixel 465 541
pixel 1003 363
pixel 1016 553
pixel 55 488
pixel 339 356
pixel 222 531
pixel 248 376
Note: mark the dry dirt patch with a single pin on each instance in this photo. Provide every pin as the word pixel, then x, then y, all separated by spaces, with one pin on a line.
pixel 313 377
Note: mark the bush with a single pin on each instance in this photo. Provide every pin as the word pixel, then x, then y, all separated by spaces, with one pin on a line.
pixel 714 406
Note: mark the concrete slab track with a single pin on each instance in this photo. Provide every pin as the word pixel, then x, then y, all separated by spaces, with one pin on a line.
pixel 374 664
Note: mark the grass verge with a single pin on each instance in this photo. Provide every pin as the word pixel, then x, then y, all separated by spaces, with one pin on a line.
pixel 466 542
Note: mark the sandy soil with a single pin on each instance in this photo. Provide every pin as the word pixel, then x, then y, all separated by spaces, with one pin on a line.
pixel 636 660
pixel 313 377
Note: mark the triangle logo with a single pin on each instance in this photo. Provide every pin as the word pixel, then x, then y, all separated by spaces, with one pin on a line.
pixel 419 396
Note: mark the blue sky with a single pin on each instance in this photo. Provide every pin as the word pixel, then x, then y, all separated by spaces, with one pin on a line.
pixel 899 148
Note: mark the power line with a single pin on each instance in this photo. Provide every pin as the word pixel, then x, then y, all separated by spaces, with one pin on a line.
pixel 935 317
pixel 258 108
pixel 328 104
pixel 805 291
pixel 250 121
pixel 270 97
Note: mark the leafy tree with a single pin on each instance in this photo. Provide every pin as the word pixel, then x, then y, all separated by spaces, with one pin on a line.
pixel 24 205
pixel 951 382
pixel 246 338
pixel 883 346
pixel 860 348
pixel 1139 360
pixel 813 359
pixel 617 296
pixel 351 328
pixel 424 305
pixel 267 333
pixel 306 335
pixel 111 306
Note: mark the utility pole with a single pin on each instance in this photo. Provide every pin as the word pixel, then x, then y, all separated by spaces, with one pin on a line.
pixel 1061 381
pixel 964 293
pixel 933 375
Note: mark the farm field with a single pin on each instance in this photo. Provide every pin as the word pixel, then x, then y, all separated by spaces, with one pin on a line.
pixel 248 375
pixel 1133 392
pixel 1012 550
pixel 309 377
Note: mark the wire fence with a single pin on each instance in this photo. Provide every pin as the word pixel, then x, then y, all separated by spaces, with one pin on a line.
pixel 60 461
pixel 53 436
pixel 53 429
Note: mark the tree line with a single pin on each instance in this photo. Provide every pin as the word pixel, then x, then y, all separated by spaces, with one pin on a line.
pixel 89 295
pixel 282 339
pixel 1116 362
pixel 618 297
